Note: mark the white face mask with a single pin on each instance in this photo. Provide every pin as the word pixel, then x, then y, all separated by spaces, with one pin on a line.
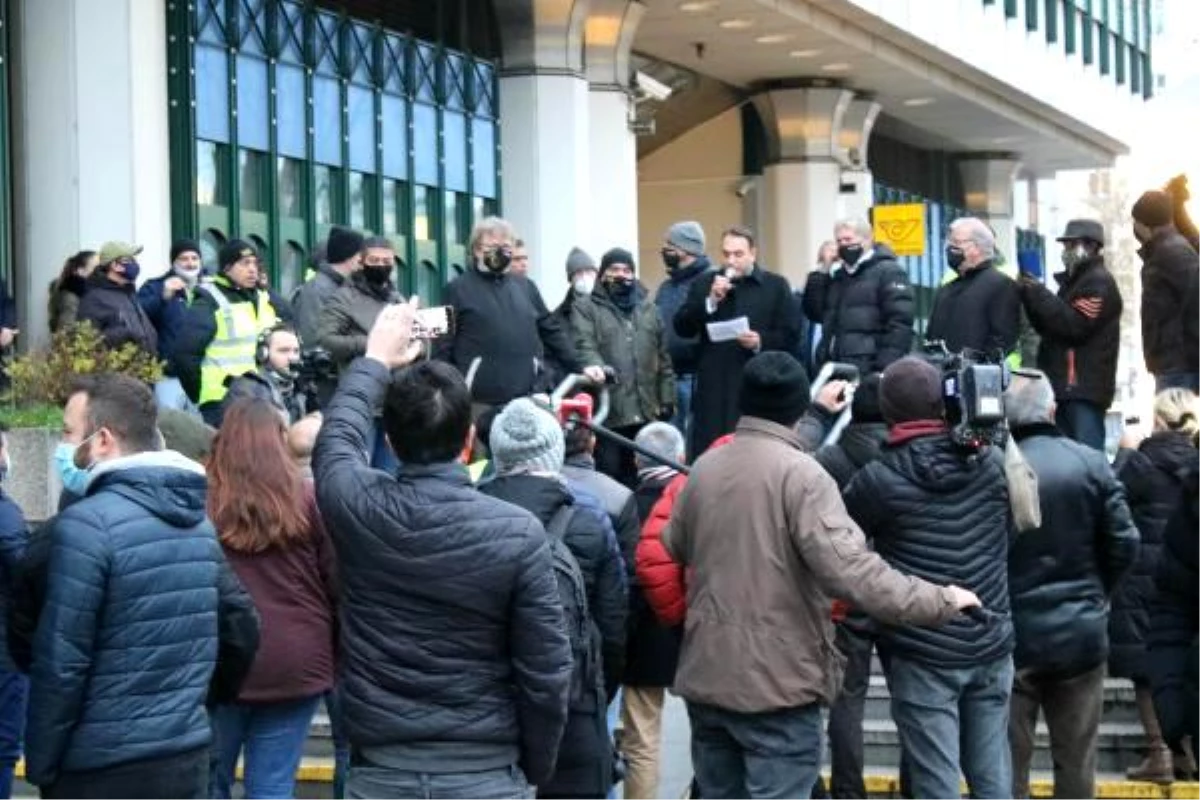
pixel 189 275
pixel 584 284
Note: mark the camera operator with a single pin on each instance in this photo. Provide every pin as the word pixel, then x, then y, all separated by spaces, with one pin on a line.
pixel 278 377
pixel 1080 330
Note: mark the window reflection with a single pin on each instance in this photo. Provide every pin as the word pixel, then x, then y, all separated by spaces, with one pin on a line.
pixel 421 208
pixel 323 199
pixel 291 188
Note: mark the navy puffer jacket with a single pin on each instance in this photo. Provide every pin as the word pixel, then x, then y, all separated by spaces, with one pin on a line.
pixel 128 638
pixel 937 513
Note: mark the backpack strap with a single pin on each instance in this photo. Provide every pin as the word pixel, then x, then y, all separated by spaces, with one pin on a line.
pixel 560 522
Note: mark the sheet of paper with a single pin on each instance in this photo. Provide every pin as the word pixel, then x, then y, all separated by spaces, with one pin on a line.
pixel 728 330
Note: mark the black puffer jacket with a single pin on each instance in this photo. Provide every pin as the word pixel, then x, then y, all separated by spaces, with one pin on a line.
pixel 1061 576
pixel 1169 271
pixel 454 650
pixel 935 513
pixel 584 767
pixel 1174 622
pixel 860 444
pixel 1150 475
pixel 1080 332
pixel 866 317
pixel 979 310
pixel 113 310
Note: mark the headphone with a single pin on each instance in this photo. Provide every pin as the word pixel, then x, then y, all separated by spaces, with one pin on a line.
pixel 262 348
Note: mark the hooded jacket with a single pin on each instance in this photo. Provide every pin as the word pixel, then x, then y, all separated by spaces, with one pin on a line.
pixel 934 512
pixel 137 592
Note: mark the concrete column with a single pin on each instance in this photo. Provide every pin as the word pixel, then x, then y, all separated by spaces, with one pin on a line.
pixel 610 31
pixel 91 139
pixel 988 192
pixel 802 179
pixel 544 132
pixel 857 187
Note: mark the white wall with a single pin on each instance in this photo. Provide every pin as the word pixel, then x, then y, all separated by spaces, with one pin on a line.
pixel 694 177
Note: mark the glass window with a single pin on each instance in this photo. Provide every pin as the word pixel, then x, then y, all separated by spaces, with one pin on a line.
pixel 291 266
pixel 389 221
pixel 252 102
pixel 362 128
pixel 422 224
pixel 358 200
pixel 483 156
pixel 482 207
pixel 324 194
pixel 425 144
pixel 291 187
pixel 211 242
pixel 454 140
pixel 395 137
pixel 212 93
pixel 452 226
pixel 211 175
pixel 290 99
pixel 327 121
pixel 252 182
pixel 264 252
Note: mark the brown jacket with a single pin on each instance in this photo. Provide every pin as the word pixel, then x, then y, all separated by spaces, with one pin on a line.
pixel 762 531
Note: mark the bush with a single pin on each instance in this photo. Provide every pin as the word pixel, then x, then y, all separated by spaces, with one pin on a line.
pixel 44 377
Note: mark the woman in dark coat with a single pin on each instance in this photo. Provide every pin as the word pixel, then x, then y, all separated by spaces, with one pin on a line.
pixel 1150 474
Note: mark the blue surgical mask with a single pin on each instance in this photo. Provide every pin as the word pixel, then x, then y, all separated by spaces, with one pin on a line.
pixel 74 479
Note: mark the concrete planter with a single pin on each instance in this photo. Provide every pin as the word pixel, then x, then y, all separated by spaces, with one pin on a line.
pixel 34 485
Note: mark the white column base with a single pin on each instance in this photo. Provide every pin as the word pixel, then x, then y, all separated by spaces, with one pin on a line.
pixel 613 170
pixel 545 171
pixel 799 212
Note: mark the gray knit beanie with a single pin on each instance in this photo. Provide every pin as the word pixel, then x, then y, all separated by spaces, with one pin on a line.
pixel 578 261
pixel 687 236
pixel 525 436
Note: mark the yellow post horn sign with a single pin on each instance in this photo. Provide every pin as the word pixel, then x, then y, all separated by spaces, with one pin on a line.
pixel 901 227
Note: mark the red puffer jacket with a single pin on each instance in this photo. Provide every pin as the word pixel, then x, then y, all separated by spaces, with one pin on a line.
pixel 663 581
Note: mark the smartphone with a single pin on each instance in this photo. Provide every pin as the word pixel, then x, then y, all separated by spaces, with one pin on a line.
pixel 432 323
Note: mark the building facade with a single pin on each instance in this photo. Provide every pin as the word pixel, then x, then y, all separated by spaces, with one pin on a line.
pixel 587 122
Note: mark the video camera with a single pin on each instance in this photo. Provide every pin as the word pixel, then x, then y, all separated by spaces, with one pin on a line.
pixel 973 390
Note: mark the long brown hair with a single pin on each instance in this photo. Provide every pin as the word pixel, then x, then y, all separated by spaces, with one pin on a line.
pixel 256 495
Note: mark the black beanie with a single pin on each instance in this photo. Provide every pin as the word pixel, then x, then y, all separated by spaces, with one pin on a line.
pixel 343 245
pixel 1154 209
pixel 617 255
pixel 865 405
pixel 182 246
pixel 911 390
pixel 234 251
pixel 775 388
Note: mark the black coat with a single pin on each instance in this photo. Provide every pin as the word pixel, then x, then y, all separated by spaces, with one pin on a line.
pixel 1169 304
pixel 653 651
pixel 979 310
pixel 584 767
pixel 502 320
pixel 936 513
pixel 1172 638
pixel 1061 575
pixel 860 444
pixel 114 311
pixel 452 637
pixel 1080 332
pixel 1150 475
pixel 866 317
pixel 672 293
pixel 766 300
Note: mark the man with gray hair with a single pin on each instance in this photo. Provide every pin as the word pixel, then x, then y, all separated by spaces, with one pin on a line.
pixel 501 322
pixel 863 302
pixel 979 310
pixel 1060 578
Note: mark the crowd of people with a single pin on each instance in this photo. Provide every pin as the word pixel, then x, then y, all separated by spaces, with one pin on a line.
pixel 318 506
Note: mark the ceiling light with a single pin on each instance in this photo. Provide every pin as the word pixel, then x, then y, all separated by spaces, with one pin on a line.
pixel 837 66
pixel 773 38
pixel 804 53
pixel 697 6
pixel 736 24
pixel 919 101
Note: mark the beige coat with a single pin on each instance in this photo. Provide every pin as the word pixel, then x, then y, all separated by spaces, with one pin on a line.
pixel 764 536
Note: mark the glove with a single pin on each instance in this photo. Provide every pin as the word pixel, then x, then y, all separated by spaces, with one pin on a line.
pixel 666 413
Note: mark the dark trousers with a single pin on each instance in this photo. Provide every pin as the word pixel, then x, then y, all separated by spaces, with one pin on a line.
pixel 768 755
pixel 182 776
pixel 14 695
pixel 1072 706
pixel 1082 421
pixel 616 461
pixel 846 715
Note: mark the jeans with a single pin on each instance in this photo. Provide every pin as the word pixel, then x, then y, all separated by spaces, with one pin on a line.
pixel 495 784
pixel 14 695
pixel 685 385
pixel 341 744
pixel 1072 705
pixel 951 718
pixel 1177 380
pixel 183 776
pixel 770 754
pixel 272 735
pixel 1083 421
pixel 169 393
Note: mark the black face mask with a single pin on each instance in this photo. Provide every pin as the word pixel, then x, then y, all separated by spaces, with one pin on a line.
pixel 954 257
pixel 850 253
pixel 377 276
pixel 671 259
pixel 620 287
pixel 497 259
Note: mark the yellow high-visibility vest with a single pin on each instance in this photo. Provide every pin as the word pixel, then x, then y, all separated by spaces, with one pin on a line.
pixel 231 352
